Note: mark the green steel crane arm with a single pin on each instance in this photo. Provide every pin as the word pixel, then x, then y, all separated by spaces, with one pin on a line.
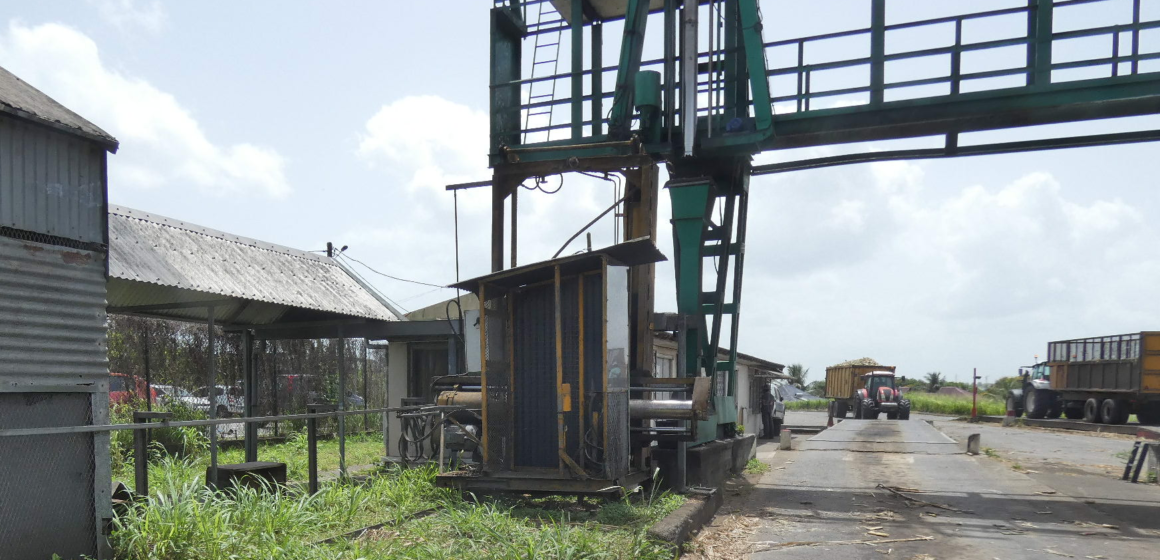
pixel 631 50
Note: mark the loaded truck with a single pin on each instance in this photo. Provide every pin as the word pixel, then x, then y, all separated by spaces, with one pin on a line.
pixel 1102 379
pixel 865 388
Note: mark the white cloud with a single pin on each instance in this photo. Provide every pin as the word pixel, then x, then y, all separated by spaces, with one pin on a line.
pixel 162 144
pixel 423 143
pixel 128 14
pixel 940 279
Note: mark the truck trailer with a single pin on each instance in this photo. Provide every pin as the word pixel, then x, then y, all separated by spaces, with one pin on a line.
pixel 1102 379
pixel 865 388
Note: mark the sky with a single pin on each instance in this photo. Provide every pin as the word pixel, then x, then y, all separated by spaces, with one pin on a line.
pixel 307 122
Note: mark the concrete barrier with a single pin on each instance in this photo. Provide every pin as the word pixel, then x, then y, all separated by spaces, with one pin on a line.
pixel 786 440
pixel 973 442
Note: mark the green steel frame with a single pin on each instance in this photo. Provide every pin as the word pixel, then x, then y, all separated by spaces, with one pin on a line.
pixel 745 116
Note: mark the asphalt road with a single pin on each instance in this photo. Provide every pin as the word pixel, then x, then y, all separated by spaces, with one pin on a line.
pixel 825 499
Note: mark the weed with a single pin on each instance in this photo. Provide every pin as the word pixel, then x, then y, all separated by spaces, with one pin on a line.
pixel 926 402
pixel 183 519
pixel 990 452
pixel 756 467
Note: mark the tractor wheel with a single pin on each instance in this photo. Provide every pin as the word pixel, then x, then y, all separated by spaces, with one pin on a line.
pixel 841 408
pixel 904 411
pixel 1114 411
pixel 1036 404
pixel 1073 412
pixel 1056 409
pixel 1091 411
pixel 1013 404
pixel 868 410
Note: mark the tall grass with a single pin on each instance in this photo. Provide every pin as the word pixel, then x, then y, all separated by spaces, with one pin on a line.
pixel 927 402
pixel 182 519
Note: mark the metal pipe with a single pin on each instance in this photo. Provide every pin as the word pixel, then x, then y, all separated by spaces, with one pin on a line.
pixel 93 428
pixel 688 63
pixel 467 399
pixel 643 409
pixel 341 406
pixel 212 395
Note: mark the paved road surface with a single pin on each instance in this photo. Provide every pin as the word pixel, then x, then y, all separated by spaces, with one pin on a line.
pixel 828 491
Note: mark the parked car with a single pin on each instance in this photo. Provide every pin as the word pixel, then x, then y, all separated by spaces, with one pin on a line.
pixel 174 394
pixel 124 388
pixel 354 401
pixel 227 400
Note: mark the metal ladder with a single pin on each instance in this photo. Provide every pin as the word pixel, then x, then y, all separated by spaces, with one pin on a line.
pixel 545 62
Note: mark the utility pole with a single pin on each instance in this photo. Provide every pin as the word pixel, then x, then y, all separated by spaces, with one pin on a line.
pixel 975 395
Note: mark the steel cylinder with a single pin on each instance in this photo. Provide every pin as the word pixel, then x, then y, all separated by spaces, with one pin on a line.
pixel 645 409
pixel 467 399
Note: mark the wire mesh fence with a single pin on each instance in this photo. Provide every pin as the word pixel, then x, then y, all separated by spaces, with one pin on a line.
pixel 161 366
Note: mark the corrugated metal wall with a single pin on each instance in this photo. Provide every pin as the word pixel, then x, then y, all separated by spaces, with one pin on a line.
pixel 52 301
pixel 51 182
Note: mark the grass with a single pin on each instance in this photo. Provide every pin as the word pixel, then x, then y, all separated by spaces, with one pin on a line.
pixel 361 449
pixel 183 519
pixel 926 402
pixel 756 467
pixel 990 452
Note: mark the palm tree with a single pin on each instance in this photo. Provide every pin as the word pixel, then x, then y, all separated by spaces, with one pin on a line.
pixel 797 375
pixel 934 381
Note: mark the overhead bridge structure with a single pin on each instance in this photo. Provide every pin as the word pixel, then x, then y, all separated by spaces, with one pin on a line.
pixel 702 87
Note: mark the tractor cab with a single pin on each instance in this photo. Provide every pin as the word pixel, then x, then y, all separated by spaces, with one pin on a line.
pixel 1038 375
pixel 876 379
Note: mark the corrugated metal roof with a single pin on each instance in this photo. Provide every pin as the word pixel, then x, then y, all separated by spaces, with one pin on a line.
pixel 21 99
pixel 157 260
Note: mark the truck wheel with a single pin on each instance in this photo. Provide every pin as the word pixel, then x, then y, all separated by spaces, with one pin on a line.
pixel 1073 412
pixel 1035 404
pixel 1114 411
pixel 1013 404
pixel 840 409
pixel 1091 411
pixel 1149 414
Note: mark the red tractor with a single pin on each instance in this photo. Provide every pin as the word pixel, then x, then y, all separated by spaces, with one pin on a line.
pixel 877 394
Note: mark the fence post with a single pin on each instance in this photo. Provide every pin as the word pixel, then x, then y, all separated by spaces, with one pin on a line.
pixel 312 444
pixel 877 51
pixel 141 450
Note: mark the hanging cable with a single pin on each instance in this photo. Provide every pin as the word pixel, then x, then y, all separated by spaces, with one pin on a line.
pixel 368 267
pixel 591 223
pixel 385 296
pixel 539 182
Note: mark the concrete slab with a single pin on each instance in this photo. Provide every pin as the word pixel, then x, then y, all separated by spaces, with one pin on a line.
pixel 883 436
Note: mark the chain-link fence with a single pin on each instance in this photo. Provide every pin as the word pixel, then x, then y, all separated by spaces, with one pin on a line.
pixel 161 367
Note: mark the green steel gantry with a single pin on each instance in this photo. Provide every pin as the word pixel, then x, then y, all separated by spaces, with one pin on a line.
pixel 705 107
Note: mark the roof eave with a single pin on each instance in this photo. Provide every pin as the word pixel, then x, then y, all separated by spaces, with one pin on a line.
pixel 109 143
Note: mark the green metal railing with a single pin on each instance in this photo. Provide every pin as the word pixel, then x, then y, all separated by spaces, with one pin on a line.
pixel 872 88
pixel 1037 69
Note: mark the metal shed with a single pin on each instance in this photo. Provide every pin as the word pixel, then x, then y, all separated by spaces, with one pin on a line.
pixel 53 366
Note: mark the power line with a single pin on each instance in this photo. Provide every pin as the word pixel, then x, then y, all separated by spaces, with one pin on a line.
pixel 368 267
pixel 385 296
